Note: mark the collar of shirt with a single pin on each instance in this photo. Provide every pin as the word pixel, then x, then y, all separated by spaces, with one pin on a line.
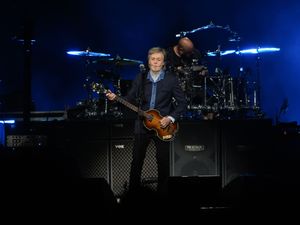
pixel 155 78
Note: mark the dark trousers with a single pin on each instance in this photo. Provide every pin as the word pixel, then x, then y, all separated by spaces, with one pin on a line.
pixel 139 153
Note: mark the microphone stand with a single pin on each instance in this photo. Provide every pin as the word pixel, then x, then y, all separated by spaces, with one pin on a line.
pixel 140 97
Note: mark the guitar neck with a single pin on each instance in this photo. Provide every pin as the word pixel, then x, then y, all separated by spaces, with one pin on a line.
pixel 131 106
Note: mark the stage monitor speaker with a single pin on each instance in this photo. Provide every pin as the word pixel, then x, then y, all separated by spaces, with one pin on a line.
pixel 121 156
pixel 245 146
pixel 195 150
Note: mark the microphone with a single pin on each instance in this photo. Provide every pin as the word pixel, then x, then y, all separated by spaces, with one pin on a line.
pixel 142 68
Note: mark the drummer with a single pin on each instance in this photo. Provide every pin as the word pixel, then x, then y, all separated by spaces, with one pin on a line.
pixel 187 63
pixel 184 54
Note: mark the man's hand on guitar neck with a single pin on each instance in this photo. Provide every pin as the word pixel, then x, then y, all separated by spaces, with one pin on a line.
pixel 111 96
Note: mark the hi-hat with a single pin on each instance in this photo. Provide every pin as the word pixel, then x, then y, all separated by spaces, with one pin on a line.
pixel 88 54
pixel 118 61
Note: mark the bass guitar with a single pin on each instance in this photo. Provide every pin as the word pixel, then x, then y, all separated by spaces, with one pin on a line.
pixel 151 118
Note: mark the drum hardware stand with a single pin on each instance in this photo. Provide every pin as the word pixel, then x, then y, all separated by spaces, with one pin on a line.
pixel 90 110
pixel 218 71
pixel 227 93
pixel 117 85
pixel 231 95
pixel 220 74
pixel 109 107
pixel 240 86
pixel 247 101
pixel 223 91
pixel 247 90
pixel 243 94
pixel 105 106
pixel 256 92
pixel 87 83
pixel 205 92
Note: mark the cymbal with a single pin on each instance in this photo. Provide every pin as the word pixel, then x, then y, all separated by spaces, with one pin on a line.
pixel 245 51
pixel 88 54
pixel 118 61
pixel 257 50
pixel 221 53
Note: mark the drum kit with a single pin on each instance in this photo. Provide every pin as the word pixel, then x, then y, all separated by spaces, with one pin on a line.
pixel 221 94
pixel 218 93
pixel 99 107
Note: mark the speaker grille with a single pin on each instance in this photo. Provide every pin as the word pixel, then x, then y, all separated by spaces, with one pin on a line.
pixel 92 158
pixel 121 156
pixel 244 146
pixel 196 149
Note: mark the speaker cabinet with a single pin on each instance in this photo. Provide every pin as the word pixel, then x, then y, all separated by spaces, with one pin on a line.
pixel 121 156
pixel 92 157
pixel 195 150
pixel 122 129
pixel 245 146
